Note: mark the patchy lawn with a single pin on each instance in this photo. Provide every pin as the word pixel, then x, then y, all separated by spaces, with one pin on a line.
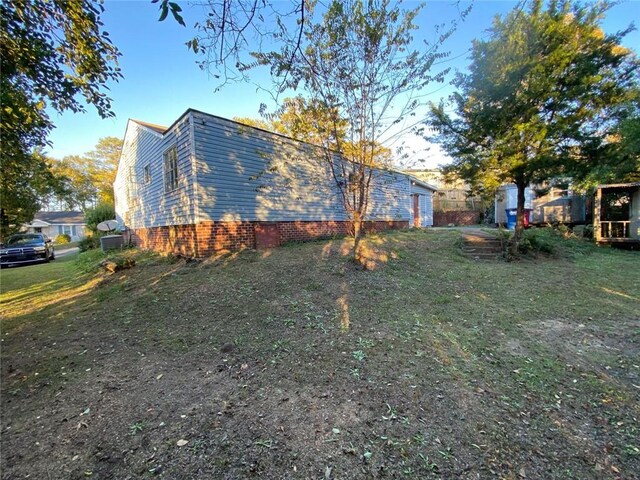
pixel 293 364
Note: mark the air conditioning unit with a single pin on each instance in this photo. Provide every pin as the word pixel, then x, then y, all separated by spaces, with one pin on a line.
pixel 111 242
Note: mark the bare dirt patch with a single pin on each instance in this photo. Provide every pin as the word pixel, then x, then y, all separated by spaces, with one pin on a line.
pixel 242 367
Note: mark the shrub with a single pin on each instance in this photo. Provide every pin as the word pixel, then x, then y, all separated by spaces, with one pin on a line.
pixel 540 240
pixel 89 243
pixel 101 213
pixel 62 239
pixel 554 241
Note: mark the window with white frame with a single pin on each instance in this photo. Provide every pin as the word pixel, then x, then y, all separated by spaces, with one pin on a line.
pixel 170 169
pixel 147 174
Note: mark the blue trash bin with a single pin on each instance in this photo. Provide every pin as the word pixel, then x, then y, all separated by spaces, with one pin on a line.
pixel 512 218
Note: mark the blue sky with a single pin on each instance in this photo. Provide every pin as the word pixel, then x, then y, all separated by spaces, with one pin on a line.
pixel 162 79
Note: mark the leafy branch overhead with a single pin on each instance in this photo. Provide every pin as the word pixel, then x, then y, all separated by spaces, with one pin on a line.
pixel 54 55
pixel 166 6
pixel 232 28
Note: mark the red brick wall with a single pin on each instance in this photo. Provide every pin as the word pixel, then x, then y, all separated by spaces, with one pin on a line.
pixel 176 239
pixel 301 231
pixel 204 239
pixel 442 219
pixel 216 236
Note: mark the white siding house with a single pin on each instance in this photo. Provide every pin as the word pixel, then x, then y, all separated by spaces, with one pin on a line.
pixel 207 183
pixel 53 224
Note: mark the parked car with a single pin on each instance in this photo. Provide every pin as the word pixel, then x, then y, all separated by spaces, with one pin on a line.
pixel 26 248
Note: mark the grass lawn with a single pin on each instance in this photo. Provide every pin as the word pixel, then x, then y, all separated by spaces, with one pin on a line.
pixel 292 363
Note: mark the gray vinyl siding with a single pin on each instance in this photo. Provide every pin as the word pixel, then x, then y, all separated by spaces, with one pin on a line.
pixel 140 204
pixel 251 175
pixel 231 172
pixel 389 196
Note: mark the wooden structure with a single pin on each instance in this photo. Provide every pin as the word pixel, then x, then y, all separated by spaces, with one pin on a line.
pixel 616 216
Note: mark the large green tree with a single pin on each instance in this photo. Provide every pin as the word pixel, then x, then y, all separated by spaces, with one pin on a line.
pixel 25 187
pixel 303 120
pixel 539 100
pixel 615 157
pixel 104 165
pixel 74 171
pixel 87 179
pixel 53 54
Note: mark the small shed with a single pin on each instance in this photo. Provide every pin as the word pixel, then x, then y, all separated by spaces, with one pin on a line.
pixel 616 215
pixel 507 198
pixel 547 204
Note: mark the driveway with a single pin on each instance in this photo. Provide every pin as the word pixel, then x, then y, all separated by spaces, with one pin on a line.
pixel 67 251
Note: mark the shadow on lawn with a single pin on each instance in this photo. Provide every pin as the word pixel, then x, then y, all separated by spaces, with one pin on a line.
pixel 32 296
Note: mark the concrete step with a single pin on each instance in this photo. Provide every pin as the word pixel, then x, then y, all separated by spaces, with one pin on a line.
pixel 482 242
pixel 485 257
pixel 481 248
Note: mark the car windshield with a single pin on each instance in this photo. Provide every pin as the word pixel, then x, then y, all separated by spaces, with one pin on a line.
pixel 18 240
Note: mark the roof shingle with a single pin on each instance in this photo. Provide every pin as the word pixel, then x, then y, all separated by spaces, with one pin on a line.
pixel 65 218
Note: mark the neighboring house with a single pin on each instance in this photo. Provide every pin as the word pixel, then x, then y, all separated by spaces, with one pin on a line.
pixel 616 217
pixel 206 184
pixel 549 205
pixel 53 224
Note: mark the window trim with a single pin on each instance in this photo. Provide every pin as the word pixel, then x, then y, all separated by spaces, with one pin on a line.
pixel 146 174
pixel 172 185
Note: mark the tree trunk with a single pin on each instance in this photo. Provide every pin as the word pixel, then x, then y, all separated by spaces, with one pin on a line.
pixel 357 234
pixel 517 235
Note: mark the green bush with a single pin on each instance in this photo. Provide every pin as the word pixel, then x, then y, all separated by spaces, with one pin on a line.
pixel 559 241
pixel 540 240
pixel 89 243
pixel 62 239
pixel 101 213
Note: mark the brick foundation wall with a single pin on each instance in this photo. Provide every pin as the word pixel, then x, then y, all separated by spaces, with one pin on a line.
pixel 204 239
pixel 216 236
pixel 303 231
pixel 176 239
pixel 467 217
